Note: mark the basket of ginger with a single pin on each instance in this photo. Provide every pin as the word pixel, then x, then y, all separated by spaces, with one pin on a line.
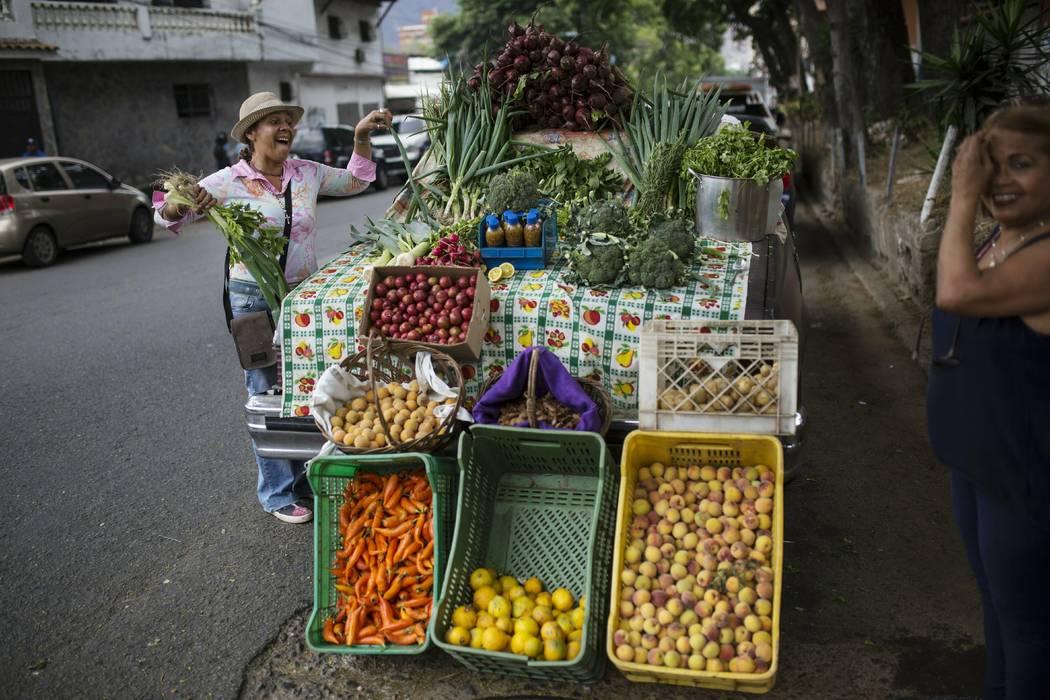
pixel 395 413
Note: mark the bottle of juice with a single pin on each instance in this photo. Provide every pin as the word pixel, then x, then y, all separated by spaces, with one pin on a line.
pixel 533 229
pixel 494 236
pixel 512 229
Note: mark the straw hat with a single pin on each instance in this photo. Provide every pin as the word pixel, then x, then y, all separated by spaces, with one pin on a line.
pixel 258 106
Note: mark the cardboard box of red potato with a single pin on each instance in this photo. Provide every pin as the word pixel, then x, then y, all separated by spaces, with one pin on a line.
pixel 435 293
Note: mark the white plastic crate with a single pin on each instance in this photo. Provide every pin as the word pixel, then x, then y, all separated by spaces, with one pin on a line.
pixel 718 376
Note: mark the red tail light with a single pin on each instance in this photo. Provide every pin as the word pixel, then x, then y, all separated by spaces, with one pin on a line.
pixel 7 203
pixel 328 156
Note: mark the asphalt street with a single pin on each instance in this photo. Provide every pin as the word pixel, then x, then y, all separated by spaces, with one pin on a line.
pixel 135 560
pixel 137 563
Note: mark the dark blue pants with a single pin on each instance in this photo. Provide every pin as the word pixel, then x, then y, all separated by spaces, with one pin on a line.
pixel 1011 559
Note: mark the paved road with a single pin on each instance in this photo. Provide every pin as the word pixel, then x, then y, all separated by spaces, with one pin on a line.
pixel 136 563
pixel 135 560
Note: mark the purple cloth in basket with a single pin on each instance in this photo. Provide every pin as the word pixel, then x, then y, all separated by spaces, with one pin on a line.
pixel 552 377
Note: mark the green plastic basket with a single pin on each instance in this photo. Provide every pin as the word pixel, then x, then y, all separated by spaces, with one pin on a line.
pixel 533 503
pixel 328 477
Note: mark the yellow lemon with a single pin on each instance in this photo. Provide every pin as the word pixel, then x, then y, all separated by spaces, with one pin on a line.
pixel 583 602
pixel 562 599
pixel 495 274
pixel 522 606
pixel 575 636
pixel 514 592
pixel 543 600
pixel 480 578
pixel 533 647
pixel 579 616
pixel 483 596
pixel 505 625
pixel 499 607
pixel 508 582
pixel 572 650
pixel 464 617
pixel 564 620
pixel 508 270
pixel 517 643
pixel 541 614
pixel 533 586
pixel 458 636
pixel 475 638
pixel 554 650
pixel 551 630
pixel 485 620
pixel 494 639
pixel 527 625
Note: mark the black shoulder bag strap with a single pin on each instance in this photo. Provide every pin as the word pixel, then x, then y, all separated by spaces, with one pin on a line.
pixel 283 262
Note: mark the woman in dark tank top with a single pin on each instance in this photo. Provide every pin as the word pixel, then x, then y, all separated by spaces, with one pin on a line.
pixel 988 397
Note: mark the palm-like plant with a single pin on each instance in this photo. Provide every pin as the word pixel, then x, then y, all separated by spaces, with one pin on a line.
pixel 1000 54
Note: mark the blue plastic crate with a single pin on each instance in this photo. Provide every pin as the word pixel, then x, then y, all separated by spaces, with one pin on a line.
pixel 524 257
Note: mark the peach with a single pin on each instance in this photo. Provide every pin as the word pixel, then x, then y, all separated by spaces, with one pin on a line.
pixel 721 618
pixel 725 652
pixel 655 657
pixel 764 607
pixel 764 544
pixel 675 630
pixel 764 505
pixel 740 634
pixel 731 509
pixel 657 469
pixel 676 501
pixel 649 641
pixel 707 473
pixel 679 530
pixel 716 491
pixel 642 582
pixel 767 623
pixel 724 474
pixel 731 535
pixel 761 666
pixel 647 611
pixel 690 540
pixel 647 569
pixel 764 652
pixel 762 637
pixel 678 485
pixel 692 472
pixel 725 554
pixel 664 616
pixel 625 652
pixel 681 645
pixel 640 597
pixel 766 489
pixel 714 666
pixel 703 609
pixel 739 550
pixel 667 551
pixel 750 492
pixel 697 642
pixel 672 659
pixel 753 623
pixel 725 635
pixel 666 644
pixel 688 617
pixel 733 494
pixel 659 597
pixel 653 627
pixel 747 536
pixel 711 596
pixel 744 664
pixel 626 609
pixel 765 522
pixel 700 488
pixel 713 525
pixel 711 650
pixel 636 623
pixel 696 662
pixel 675 607
pixel 714 509
pixel 645 473
pixel 745 648
pixel 741 610
pixel 723 606
pixel 747 595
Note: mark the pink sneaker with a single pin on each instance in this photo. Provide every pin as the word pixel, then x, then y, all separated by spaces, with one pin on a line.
pixel 294 513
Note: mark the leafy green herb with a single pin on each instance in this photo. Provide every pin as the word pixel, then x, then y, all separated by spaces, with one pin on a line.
pixel 573 181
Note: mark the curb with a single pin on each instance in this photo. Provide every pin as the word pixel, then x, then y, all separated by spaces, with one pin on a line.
pixel 904 316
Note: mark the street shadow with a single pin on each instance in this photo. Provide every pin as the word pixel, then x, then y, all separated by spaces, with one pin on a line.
pixel 12 264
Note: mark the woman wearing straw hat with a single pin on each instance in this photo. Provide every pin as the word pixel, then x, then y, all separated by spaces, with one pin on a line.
pixel 269 180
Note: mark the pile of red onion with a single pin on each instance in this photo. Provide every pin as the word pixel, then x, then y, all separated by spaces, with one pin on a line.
pixel 449 251
pixel 423 307
pixel 568 86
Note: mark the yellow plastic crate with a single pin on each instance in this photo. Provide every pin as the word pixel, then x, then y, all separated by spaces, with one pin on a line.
pixel 682 449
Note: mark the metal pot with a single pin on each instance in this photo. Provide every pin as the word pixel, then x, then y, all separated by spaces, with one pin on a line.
pixel 753 209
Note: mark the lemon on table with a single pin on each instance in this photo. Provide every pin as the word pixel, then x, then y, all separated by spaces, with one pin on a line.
pixel 572 650
pixel 508 582
pixel 464 617
pixel 505 625
pixel 481 578
pixel 522 606
pixel 475 637
pixel 554 650
pixel 494 639
pixel 458 636
pixel 562 599
pixel 499 607
pixel 533 586
pixel 564 620
pixel 514 592
pixel 483 596
pixel 579 615
pixel 527 625
pixel 495 274
pixel 485 620
pixel 533 647
pixel 543 600
pixel 551 630
pixel 508 270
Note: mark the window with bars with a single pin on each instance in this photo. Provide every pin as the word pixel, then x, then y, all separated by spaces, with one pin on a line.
pixel 194 100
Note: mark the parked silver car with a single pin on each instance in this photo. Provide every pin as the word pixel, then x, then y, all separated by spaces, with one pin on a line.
pixel 51 203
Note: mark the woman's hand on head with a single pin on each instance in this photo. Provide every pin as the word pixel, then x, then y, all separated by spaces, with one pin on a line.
pixel 972 168
pixel 376 119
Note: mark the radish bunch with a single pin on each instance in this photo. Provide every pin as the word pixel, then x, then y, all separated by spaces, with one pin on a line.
pixel 451 251
pixel 566 85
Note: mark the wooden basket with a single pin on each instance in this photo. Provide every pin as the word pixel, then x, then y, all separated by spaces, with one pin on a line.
pixel 592 387
pixel 381 363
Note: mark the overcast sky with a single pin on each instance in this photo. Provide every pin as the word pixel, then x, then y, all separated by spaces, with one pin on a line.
pixel 407 12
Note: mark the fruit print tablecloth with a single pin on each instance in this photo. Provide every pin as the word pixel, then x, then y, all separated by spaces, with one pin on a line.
pixel 593 331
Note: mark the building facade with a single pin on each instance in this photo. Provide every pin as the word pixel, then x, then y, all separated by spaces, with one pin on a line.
pixel 140 87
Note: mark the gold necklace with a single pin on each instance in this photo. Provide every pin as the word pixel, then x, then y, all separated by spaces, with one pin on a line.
pixel 1007 252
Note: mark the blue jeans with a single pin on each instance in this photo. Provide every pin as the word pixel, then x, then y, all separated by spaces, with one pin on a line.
pixel 1011 562
pixel 276 476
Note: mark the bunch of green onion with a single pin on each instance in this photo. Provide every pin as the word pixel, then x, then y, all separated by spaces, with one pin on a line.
pixel 251 242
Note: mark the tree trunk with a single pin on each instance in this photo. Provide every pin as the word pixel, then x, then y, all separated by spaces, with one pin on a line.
pixel 815 30
pixel 881 58
pixel 938 20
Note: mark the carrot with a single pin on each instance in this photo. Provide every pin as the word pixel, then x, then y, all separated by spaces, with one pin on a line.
pixel 397 626
pixel 418 602
pixel 391 485
pixel 394 588
pixel 328 632
pixel 358 551
pixel 373 640
pixel 353 622
pixel 368 631
pixel 397 531
pixel 403 639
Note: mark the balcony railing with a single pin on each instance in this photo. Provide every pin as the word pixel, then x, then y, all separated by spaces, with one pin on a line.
pixel 164 20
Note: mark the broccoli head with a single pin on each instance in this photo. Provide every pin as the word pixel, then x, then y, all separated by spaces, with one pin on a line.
pixel 515 189
pixel 678 234
pixel 654 265
pixel 608 216
pixel 599 261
